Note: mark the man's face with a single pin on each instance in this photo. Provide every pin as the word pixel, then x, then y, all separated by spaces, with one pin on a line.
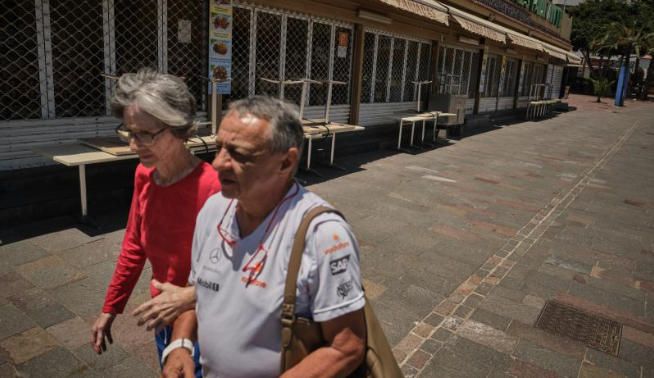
pixel 246 167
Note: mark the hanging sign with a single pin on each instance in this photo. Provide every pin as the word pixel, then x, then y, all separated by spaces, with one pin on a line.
pixel 343 41
pixel 220 43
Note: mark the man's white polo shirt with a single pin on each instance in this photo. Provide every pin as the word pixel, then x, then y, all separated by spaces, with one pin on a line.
pixel 240 282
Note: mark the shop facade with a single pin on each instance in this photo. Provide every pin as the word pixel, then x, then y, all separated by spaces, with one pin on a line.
pixel 53 92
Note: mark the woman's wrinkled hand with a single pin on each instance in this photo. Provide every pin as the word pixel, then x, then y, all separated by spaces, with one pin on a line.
pixel 100 331
pixel 163 309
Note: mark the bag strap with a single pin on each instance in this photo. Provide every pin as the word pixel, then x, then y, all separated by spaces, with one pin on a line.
pixel 288 306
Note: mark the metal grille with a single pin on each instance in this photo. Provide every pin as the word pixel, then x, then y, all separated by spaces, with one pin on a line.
pixel 381 71
pixel 367 70
pixel 397 70
pixel 425 58
pixel 136 35
pixel 510 77
pixel 240 54
pixel 411 65
pixel 320 54
pixel 341 67
pixel 594 331
pixel 78 58
pixel 295 66
pixel 268 52
pixel 20 95
pixel 187 58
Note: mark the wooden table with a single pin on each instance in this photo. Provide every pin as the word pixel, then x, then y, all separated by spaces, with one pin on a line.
pixel 421 117
pixel 317 130
pixel 80 155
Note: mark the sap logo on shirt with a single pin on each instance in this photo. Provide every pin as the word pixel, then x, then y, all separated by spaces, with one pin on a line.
pixel 344 289
pixel 339 266
pixel 208 284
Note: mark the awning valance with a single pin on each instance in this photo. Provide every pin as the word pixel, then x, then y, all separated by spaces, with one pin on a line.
pixel 477 25
pixel 556 52
pixel 428 9
pixel 524 41
pixel 573 58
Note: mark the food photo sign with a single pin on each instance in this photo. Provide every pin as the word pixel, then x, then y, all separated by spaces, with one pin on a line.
pixel 220 43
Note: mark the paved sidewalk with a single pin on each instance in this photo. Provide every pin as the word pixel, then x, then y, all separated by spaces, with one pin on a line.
pixel 461 247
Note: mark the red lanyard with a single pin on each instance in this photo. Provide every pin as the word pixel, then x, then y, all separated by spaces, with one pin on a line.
pixel 255 264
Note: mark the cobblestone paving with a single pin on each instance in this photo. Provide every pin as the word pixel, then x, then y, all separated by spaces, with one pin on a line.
pixel 461 247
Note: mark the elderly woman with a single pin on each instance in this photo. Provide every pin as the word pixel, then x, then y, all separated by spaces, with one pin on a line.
pixel 170 187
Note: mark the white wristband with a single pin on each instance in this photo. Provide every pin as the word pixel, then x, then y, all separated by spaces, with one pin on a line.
pixel 179 343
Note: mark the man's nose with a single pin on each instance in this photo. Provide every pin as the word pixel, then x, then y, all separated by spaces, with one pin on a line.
pixel 221 160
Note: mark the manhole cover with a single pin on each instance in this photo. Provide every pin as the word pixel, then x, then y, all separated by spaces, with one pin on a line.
pixel 594 331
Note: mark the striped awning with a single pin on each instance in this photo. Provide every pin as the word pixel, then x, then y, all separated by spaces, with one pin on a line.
pixel 426 8
pixel 573 58
pixel 524 41
pixel 555 52
pixel 477 25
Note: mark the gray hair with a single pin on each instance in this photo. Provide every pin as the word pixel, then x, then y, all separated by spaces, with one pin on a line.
pixel 165 97
pixel 283 117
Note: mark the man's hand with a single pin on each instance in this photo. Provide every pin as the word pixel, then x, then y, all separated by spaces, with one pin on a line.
pixel 179 364
pixel 102 329
pixel 163 309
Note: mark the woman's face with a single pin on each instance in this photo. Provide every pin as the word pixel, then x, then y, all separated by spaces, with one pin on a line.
pixel 151 140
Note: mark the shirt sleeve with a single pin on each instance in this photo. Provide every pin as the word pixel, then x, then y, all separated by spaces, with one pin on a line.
pixel 337 290
pixel 131 259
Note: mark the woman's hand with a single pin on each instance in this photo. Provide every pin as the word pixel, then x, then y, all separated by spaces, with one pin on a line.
pixel 163 309
pixel 102 329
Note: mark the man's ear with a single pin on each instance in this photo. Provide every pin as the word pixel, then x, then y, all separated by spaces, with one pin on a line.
pixel 290 160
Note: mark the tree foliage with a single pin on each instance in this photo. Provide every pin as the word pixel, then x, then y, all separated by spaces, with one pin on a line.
pixel 613 27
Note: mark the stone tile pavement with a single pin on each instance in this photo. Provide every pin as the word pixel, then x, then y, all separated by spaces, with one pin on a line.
pixel 461 247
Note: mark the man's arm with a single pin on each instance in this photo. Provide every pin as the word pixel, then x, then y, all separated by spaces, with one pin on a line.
pixel 179 362
pixel 345 350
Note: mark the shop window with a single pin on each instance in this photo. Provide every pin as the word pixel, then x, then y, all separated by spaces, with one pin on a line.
pixel 240 54
pixel 383 60
pixel 20 96
pixel 295 66
pixel 391 65
pixel 368 68
pixel 491 76
pixel 268 47
pixel 510 77
pixel 457 71
pixel 533 73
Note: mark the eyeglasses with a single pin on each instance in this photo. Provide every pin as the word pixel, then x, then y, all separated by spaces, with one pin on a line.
pixel 143 137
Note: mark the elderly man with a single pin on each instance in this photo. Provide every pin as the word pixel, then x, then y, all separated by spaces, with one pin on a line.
pixel 241 251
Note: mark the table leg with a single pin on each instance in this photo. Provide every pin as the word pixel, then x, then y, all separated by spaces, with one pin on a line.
pixel 331 157
pixel 82 189
pixel 399 137
pixel 309 154
pixel 413 124
pixel 422 139
pixel 434 135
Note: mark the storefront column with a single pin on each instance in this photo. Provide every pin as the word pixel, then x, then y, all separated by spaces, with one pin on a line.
pixel 357 66
pixel 516 94
pixel 480 66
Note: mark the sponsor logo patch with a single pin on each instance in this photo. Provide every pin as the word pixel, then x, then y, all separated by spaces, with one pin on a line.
pixel 208 284
pixel 339 266
pixel 336 247
pixel 344 289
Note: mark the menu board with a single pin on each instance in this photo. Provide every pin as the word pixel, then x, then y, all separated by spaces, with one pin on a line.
pixel 220 43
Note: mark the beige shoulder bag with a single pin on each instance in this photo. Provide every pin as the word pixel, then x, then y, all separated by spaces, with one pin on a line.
pixel 301 336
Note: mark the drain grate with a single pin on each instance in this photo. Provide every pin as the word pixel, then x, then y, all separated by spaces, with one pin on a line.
pixel 594 331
